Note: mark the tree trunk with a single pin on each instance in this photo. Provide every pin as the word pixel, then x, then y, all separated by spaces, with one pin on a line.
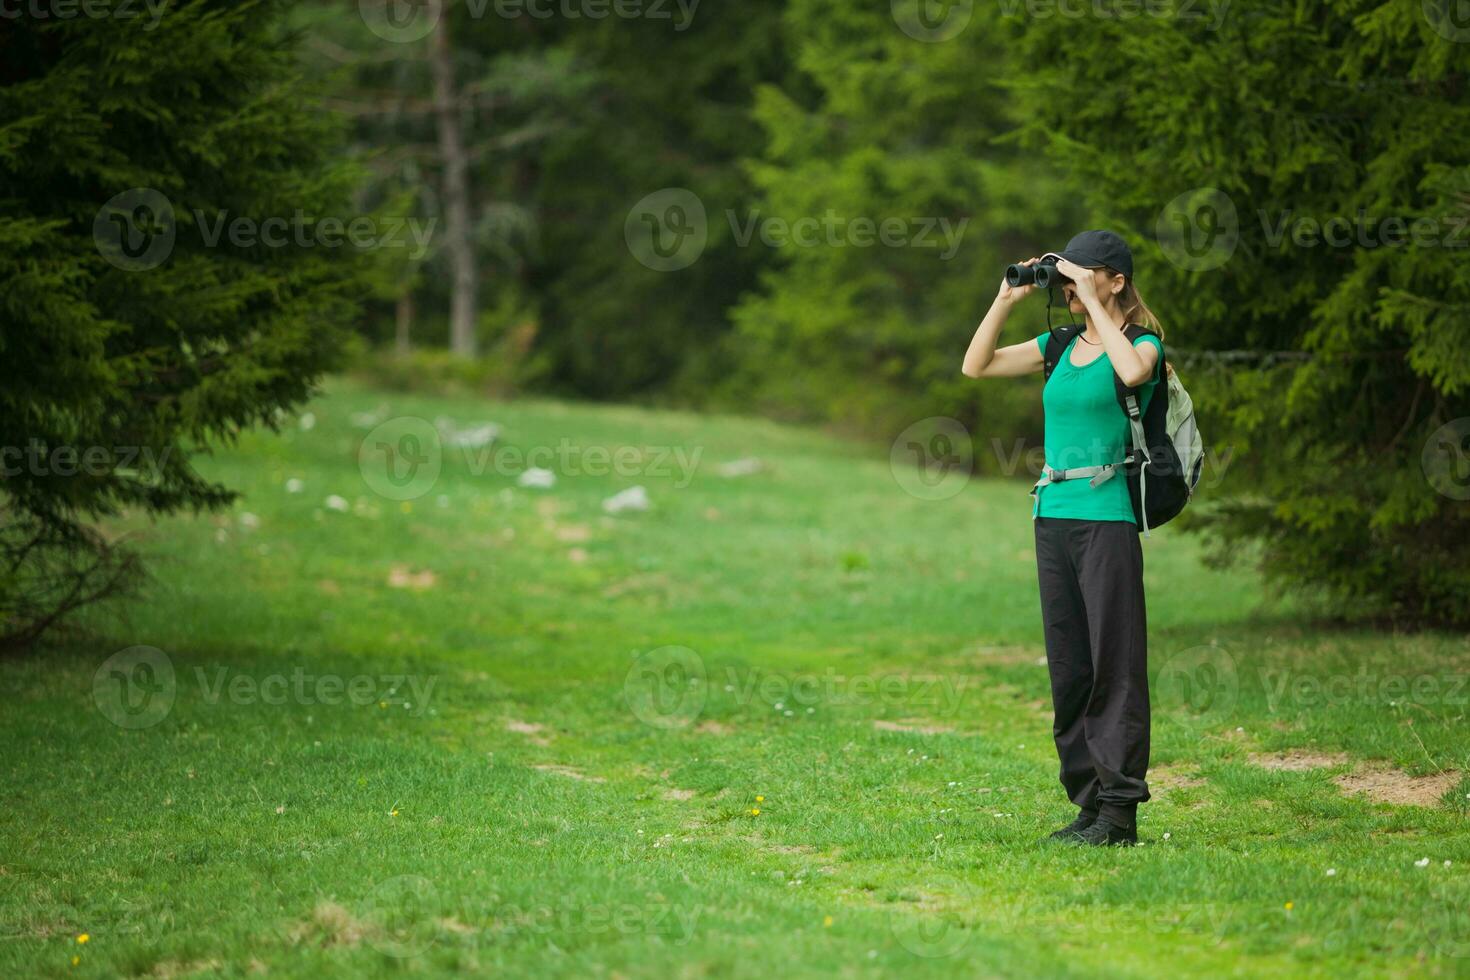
pixel 463 301
pixel 403 321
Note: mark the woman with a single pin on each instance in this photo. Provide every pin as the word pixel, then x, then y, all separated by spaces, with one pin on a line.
pixel 1088 560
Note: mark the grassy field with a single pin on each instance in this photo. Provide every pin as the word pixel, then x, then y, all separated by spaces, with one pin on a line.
pixel 792 722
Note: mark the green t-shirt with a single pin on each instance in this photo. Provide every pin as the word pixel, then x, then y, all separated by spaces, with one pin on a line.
pixel 1085 427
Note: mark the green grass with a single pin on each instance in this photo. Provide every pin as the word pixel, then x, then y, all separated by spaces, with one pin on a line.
pixel 567 727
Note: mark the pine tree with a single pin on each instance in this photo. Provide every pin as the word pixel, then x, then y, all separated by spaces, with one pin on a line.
pixel 135 327
pixel 1297 172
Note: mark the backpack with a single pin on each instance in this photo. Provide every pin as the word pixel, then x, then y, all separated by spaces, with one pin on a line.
pixel 1163 466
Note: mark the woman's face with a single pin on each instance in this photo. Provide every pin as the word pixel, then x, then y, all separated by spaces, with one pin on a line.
pixel 1102 279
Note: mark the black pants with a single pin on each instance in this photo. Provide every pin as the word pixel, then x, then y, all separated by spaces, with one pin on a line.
pixel 1091 578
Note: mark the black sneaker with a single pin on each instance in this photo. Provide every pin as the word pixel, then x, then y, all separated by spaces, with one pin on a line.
pixel 1076 827
pixel 1105 833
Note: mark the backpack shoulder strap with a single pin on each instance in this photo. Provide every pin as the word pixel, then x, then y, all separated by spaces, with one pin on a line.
pixel 1134 331
pixel 1056 346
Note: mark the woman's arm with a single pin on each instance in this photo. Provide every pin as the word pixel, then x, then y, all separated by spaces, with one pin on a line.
pixel 982 360
pixel 1134 365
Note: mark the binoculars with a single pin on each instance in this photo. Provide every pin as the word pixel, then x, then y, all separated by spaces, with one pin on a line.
pixel 1043 274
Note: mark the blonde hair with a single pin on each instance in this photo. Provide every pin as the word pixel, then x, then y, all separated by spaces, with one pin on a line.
pixel 1135 310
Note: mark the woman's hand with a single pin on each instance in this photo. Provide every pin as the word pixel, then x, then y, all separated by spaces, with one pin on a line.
pixel 1011 294
pixel 1082 279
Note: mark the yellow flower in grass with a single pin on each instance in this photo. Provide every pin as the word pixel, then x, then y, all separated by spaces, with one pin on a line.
pixel 83 938
pixel 826 921
pixel 755 811
pixel 1290 906
pixel 760 799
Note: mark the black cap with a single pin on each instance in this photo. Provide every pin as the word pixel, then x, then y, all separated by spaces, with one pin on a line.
pixel 1095 249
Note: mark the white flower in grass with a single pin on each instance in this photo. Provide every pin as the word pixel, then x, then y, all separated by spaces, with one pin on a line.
pixel 1332 872
pixel 1167 835
pixel 631 499
pixel 249 521
pixel 1422 863
pixel 537 478
pixel 338 504
pixel 308 422
pixel 294 485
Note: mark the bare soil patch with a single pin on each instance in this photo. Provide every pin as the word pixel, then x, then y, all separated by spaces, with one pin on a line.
pixel 1167 778
pixel 1297 760
pixel 913 725
pixel 330 925
pixel 531 730
pixel 403 577
pixel 571 772
pixel 1384 785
